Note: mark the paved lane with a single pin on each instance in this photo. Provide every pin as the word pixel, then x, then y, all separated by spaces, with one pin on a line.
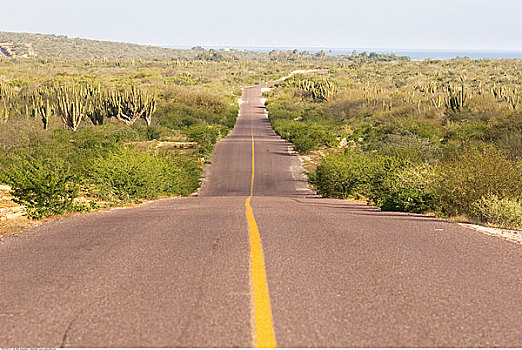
pixel 277 174
pixel 179 272
pixel 170 273
pixel 342 274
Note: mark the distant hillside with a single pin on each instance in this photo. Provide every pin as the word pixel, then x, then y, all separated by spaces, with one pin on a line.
pixel 60 46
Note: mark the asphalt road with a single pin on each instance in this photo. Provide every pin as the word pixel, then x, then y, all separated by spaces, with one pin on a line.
pixel 296 270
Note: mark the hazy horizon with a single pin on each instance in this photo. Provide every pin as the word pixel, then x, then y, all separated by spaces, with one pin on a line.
pixel 456 25
pixel 283 47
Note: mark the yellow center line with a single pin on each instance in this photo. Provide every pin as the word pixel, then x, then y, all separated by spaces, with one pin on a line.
pixel 264 336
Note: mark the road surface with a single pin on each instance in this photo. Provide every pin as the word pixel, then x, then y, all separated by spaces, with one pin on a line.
pixel 257 259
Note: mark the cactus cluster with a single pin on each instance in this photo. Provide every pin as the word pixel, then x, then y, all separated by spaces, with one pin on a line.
pixel 73 104
pixel 498 91
pixel 320 90
pixel 129 106
pixel 43 109
pixel 96 105
pixel 513 100
pixel 456 98
pixel 510 96
pixel 6 97
pixel 4 112
pixel 430 87
pixel 6 92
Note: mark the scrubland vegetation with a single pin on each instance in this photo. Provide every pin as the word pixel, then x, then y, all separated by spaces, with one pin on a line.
pixel 77 135
pixel 441 137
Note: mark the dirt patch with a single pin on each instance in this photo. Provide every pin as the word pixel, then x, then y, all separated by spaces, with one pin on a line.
pixel 183 146
pixel 311 161
pixel 8 209
pixel 18 224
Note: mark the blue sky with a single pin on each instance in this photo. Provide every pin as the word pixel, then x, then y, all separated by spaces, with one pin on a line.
pixel 408 24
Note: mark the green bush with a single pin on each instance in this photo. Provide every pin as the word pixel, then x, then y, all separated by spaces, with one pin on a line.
pixel 43 187
pixel 475 174
pixel 411 190
pixel 382 171
pixel 178 116
pixel 453 187
pixel 503 212
pixel 128 174
pixel 305 136
pixel 229 118
pixel 78 149
pixel 391 183
pixel 341 175
pixel 355 173
pixel 153 133
pixel 205 135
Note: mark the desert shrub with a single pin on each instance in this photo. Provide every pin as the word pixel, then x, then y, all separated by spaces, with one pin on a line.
pixel 506 133
pixel 356 173
pixel 379 175
pixel 474 174
pixel 504 212
pixel 305 136
pixel 411 190
pixel 511 143
pixel 278 112
pixel 341 175
pixel 178 116
pixel 408 146
pixel 19 134
pixel 128 174
pixel 229 118
pixel 78 149
pixel 396 184
pixel 392 183
pixel 43 187
pixel 469 130
pixel 153 133
pixel 205 135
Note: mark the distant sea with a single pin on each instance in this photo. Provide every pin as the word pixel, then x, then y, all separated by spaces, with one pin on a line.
pixel 416 55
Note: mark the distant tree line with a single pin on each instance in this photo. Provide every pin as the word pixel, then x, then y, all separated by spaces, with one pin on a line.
pixel 295 55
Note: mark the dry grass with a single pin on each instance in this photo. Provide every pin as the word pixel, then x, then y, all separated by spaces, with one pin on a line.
pixel 21 223
pixel 8 209
pixel 186 147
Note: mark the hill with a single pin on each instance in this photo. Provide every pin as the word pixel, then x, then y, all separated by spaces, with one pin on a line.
pixel 61 46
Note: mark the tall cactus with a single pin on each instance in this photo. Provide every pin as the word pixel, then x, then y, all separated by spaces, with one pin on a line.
pixel 456 98
pixel 96 110
pixel 320 90
pixel 44 110
pixel 71 107
pixel 134 105
pixel 4 113
pixel 149 110
pixel 73 103
pixel 112 105
pixel 6 97
pixel 513 101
